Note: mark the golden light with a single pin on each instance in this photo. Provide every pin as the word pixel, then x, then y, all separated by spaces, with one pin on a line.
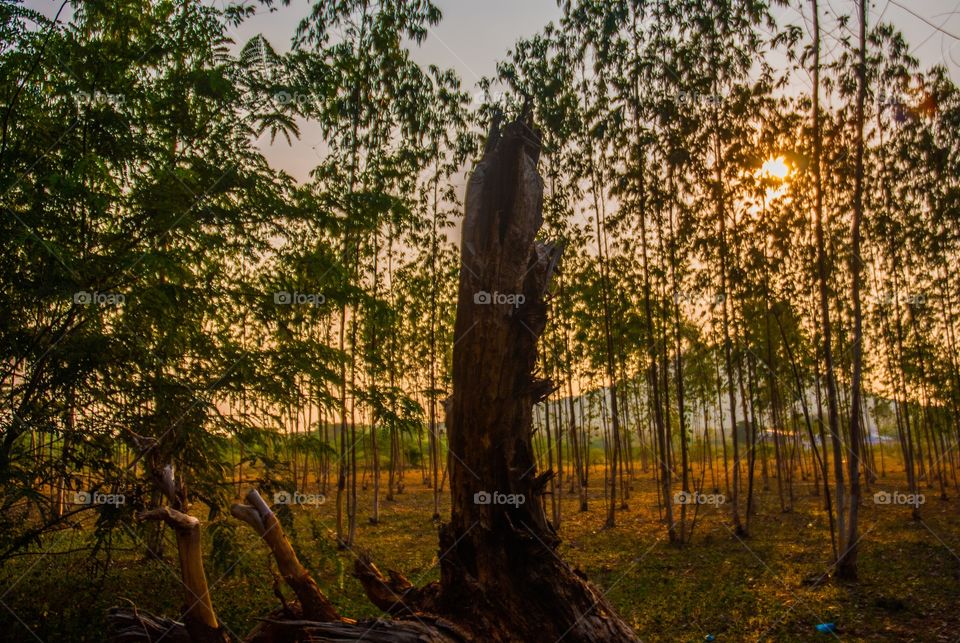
pixel 775 168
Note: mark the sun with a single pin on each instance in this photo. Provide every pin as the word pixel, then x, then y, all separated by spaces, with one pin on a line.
pixel 775 168
pixel 776 172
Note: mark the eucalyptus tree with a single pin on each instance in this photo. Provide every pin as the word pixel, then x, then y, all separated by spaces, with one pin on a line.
pixel 936 188
pixel 854 72
pixel 624 53
pixel 578 313
pixel 716 61
pixel 370 122
pixel 445 140
pixel 597 114
pixel 847 563
pixel 912 240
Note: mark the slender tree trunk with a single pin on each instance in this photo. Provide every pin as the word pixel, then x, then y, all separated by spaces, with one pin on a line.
pixel 847 565
pixel 823 279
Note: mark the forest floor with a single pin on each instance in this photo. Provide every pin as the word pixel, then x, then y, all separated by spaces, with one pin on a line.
pixel 773 585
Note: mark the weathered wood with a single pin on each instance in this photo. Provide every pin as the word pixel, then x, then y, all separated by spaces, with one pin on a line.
pixel 500 571
pixel 257 514
pixel 394 595
pixel 424 629
pixel 199 617
pixel 129 625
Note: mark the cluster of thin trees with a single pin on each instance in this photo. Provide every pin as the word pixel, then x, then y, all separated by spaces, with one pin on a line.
pixel 755 251
pixel 758 211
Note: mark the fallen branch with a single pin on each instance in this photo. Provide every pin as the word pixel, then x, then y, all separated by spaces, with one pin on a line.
pixel 199 617
pixel 263 521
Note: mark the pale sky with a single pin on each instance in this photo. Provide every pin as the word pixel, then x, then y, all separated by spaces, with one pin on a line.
pixel 474 34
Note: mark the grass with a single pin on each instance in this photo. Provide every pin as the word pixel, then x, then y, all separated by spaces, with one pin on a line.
pixel 772 585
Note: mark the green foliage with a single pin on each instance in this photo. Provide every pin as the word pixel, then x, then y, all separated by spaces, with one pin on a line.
pixel 161 281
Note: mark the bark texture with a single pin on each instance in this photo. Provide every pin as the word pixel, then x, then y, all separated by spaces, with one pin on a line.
pixel 500 571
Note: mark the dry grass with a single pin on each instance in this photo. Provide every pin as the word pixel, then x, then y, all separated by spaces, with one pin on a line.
pixel 773 585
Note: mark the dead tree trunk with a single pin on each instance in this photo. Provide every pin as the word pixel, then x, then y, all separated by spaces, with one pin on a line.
pixel 499 568
pixel 199 618
pixel 200 624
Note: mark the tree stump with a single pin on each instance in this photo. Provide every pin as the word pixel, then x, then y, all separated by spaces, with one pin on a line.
pixel 500 572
